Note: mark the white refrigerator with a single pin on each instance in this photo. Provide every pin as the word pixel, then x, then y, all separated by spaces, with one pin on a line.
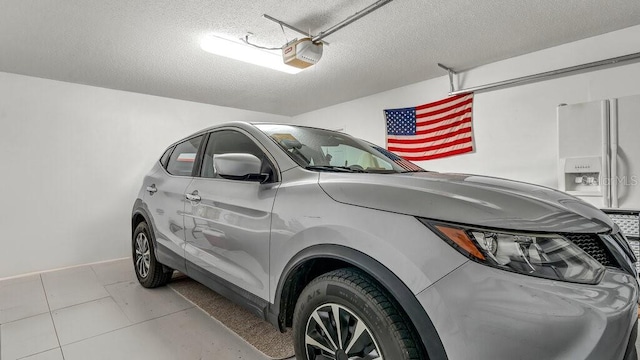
pixel 599 158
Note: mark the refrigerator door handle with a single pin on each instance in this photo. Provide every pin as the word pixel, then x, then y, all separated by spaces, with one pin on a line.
pixel 605 179
pixel 613 127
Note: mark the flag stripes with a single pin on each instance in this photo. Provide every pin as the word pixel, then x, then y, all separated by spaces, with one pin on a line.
pixel 431 131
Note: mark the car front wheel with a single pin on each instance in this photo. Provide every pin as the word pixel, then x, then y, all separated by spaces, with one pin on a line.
pixel 345 315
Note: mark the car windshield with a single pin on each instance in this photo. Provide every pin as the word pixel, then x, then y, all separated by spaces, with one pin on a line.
pixel 324 150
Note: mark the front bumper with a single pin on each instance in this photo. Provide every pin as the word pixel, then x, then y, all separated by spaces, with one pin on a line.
pixel 485 313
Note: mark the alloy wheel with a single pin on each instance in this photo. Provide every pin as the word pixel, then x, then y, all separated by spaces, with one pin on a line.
pixel 335 332
pixel 143 255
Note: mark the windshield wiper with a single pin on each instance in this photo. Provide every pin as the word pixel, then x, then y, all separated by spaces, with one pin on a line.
pixel 334 168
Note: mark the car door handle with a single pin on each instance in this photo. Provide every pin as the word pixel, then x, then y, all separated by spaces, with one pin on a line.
pixel 193 197
pixel 152 189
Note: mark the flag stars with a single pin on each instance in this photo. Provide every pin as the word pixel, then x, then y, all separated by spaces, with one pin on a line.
pixel 401 121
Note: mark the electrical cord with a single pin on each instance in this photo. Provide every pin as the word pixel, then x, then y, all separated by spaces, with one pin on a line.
pixel 246 41
pixel 284 34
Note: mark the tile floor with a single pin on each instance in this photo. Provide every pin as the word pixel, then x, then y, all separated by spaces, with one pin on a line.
pixel 101 312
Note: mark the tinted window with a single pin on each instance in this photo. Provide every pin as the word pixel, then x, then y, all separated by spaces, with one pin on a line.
pixel 165 157
pixel 183 157
pixel 229 141
pixel 324 150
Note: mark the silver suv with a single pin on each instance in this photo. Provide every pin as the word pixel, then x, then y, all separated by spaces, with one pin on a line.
pixel 368 256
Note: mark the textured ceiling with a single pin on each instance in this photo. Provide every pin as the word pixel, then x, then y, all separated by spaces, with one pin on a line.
pixel 152 46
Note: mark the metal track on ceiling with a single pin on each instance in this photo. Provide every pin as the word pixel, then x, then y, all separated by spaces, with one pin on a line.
pixel 318 38
pixel 615 61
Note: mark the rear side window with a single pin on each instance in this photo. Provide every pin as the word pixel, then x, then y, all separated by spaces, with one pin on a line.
pixel 183 157
pixel 165 157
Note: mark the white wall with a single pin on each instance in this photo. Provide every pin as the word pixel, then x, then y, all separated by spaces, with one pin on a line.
pixel 515 128
pixel 73 158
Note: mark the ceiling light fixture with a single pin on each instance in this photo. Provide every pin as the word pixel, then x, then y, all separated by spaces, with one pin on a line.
pixel 238 50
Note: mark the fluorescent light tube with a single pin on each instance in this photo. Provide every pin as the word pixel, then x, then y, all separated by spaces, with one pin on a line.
pixel 237 50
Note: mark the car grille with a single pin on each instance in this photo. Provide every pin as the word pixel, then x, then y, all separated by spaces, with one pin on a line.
pixel 629 223
pixel 592 245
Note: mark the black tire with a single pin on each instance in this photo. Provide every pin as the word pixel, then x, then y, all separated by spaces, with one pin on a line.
pixel 351 290
pixel 156 274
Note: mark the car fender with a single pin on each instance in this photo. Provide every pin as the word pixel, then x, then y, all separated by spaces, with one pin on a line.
pixel 383 276
pixel 139 208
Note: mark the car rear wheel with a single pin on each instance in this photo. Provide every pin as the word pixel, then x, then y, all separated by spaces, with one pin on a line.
pixel 149 271
pixel 345 315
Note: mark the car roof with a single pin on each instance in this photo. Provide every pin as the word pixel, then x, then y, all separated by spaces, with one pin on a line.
pixel 242 125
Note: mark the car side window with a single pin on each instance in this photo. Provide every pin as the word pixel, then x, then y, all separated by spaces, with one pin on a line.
pixel 164 160
pixel 183 157
pixel 230 141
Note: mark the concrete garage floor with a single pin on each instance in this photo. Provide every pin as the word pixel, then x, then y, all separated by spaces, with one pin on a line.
pixel 101 312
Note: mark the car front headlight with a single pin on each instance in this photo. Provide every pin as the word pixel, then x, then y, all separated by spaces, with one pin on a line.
pixel 550 256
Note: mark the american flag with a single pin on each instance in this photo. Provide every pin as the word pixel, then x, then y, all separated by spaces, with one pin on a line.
pixel 431 131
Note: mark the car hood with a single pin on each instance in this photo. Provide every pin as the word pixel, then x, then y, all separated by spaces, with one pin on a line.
pixel 468 199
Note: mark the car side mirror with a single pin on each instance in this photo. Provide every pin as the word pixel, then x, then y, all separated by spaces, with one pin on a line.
pixel 239 166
